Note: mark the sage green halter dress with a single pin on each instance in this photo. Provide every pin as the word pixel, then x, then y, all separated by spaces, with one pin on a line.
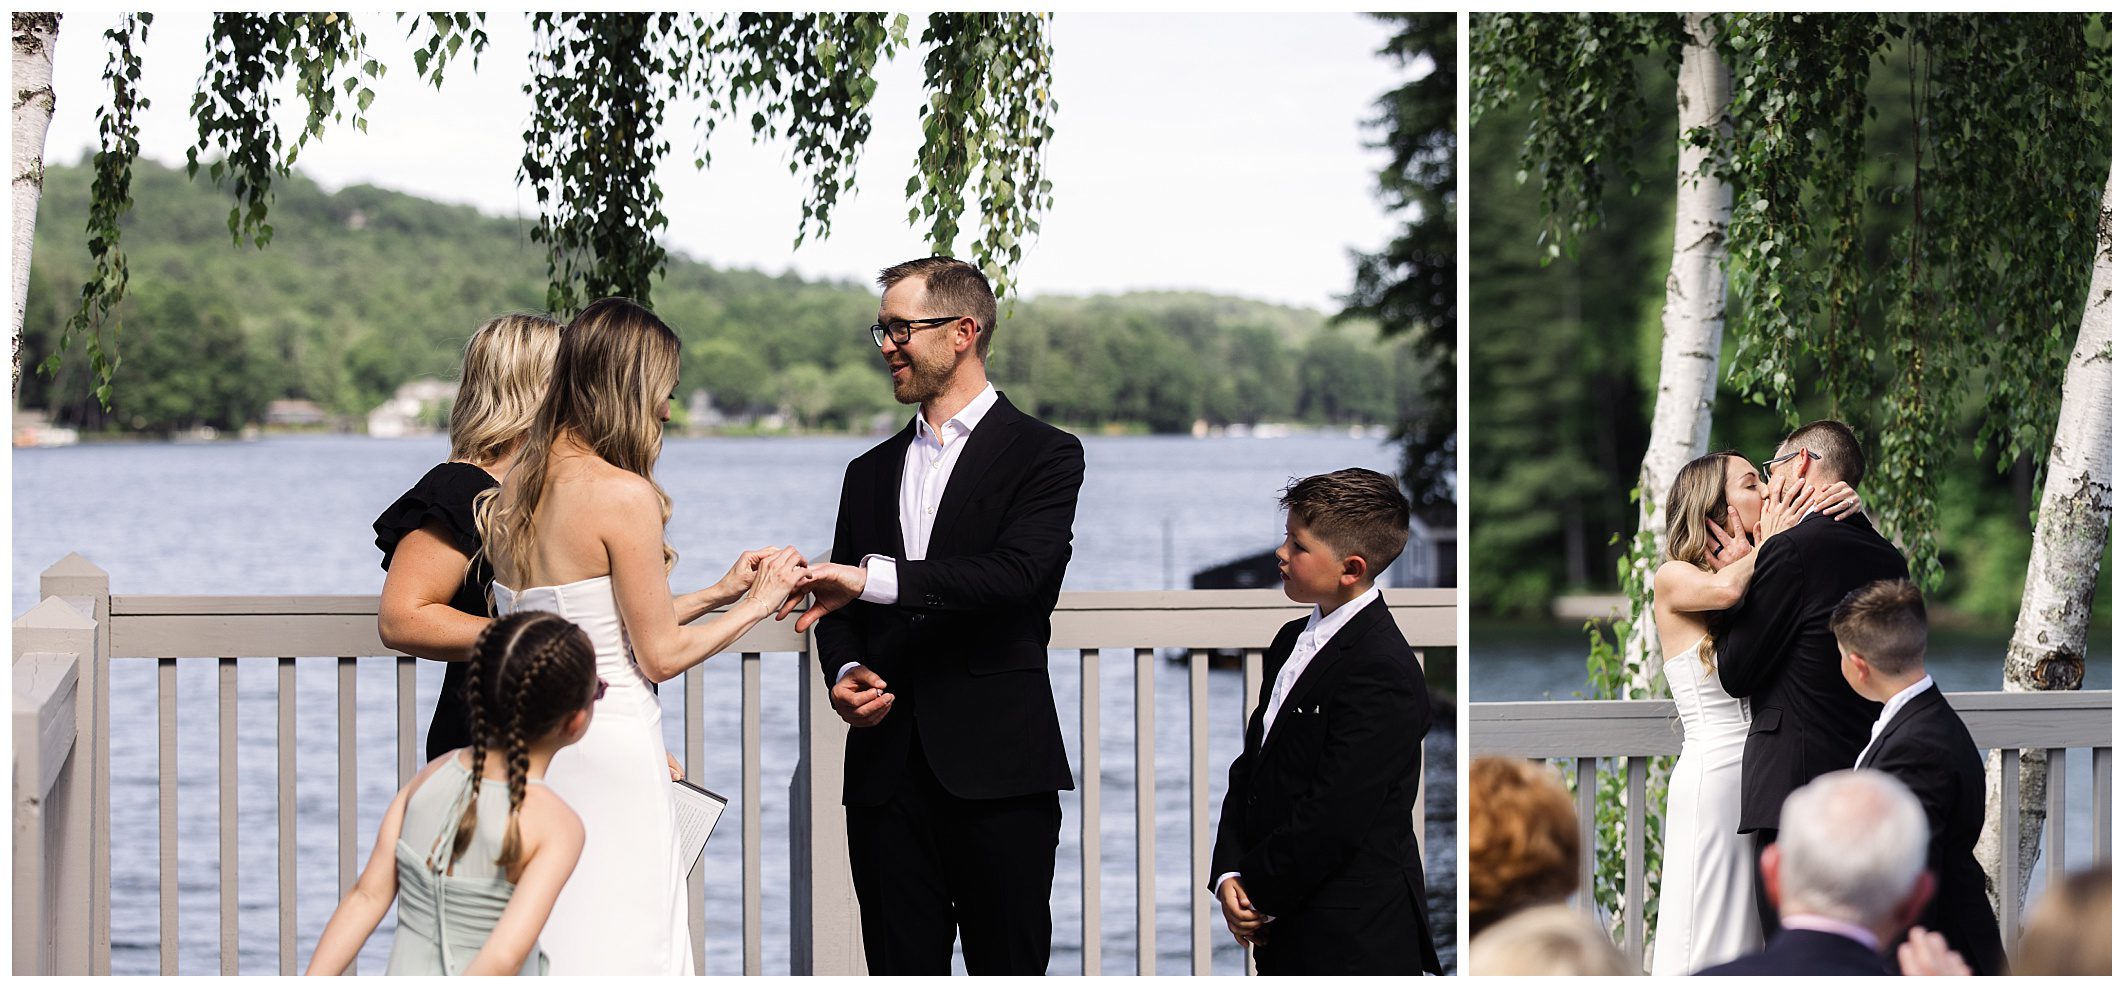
pixel 443 920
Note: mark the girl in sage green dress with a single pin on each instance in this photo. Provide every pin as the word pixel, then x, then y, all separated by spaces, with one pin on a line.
pixel 475 849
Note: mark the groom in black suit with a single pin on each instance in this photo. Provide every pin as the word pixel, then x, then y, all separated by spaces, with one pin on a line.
pixel 1880 630
pixel 947 560
pixel 1776 648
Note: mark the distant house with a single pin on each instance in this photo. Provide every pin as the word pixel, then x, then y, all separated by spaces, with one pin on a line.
pixel 413 410
pixel 293 411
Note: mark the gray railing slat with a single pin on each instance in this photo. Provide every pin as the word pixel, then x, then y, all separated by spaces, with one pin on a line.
pixel 1588 784
pixel 2054 815
pixel 2010 844
pixel 1146 818
pixel 1198 814
pixel 1634 867
pixel 409 749
pixel 348 807
pixel 695 755
pixel 2101 805
pixel 284 813
pixel 225 781
pixel 749 665
pixel 1088 807
pixel 166 808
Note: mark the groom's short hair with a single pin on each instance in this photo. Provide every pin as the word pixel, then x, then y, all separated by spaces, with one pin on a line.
pixel 956 288
pixel 1885 622
pixel 1837 446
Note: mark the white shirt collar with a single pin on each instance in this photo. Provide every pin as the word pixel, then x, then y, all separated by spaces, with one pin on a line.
pixel 1321 627
pixel 1888 711
pixel 967 419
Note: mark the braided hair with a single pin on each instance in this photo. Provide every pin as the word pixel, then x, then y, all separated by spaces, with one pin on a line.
pixel 530 671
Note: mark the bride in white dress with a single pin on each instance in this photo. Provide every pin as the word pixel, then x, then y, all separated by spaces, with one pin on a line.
pixel 578 528
pixel 1717 513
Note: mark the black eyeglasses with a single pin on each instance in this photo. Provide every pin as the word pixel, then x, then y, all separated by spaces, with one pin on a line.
pixel 600 694
pixel 902 330
pixel 1774 461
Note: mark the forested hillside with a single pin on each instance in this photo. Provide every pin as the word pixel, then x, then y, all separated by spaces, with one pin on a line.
pixel 365 289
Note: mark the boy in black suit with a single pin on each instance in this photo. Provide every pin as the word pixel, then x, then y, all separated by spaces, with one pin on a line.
pixel 1316 859
pixel 1880 632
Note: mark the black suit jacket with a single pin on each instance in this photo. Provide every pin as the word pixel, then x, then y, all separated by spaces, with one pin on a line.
pixel 1317 820
pixel 1776 650
pixel 1807 952
pixel 1927 748
pixel 964 652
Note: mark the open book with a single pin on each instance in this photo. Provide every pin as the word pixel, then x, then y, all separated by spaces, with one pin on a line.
pixel 694 811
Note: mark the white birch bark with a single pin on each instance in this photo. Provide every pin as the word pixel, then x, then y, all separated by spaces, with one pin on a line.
pixel 34 36
pixel 2049 646
pixel 1694 319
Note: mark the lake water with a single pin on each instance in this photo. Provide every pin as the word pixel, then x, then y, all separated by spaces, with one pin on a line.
pixel 1547 661
pixel 291 515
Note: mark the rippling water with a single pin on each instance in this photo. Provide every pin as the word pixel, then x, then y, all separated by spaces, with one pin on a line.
pixel 291 516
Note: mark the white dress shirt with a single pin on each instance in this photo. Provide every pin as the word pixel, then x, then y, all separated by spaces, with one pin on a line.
pixel 1888 711
pixel 1319 630
pixel 931 455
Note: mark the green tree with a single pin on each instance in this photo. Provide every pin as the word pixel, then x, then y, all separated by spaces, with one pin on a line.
pixel 1409 288
pixel 601 83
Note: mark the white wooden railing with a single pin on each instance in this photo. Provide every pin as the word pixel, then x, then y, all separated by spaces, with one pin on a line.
pixel 66 645
pixel 1579 734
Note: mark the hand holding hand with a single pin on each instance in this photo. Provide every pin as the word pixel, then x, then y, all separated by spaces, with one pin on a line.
pixel 860 697
pixel 1927 953
pixel 832 586
pixel 1729 541
pixel 1240 916
pixel 775 580
pixel 739 579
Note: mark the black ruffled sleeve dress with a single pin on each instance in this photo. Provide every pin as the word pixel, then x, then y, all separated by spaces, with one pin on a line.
pixel 444 497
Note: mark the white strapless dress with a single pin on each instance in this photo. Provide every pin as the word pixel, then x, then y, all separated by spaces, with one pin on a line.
pixel 1707 886
pixel 623 910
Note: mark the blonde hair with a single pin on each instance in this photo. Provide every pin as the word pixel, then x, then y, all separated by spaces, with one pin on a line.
pixel 507 365
pixel 616 360
pixel 1546 941
pixel 2068 930
pixel 1698 495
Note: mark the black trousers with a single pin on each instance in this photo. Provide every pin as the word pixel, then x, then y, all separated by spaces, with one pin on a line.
pixel 928 864
pixel 1765 910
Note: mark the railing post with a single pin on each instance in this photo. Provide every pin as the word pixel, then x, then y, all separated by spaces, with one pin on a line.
pixel 74 576
pixel 825 928
pixel 65 626
pixel 46 684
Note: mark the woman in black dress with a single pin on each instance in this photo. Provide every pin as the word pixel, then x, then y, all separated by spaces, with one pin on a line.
pixel 434 597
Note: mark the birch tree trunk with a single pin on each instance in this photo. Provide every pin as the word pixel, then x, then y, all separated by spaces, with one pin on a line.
pixel 34 36
pixel 2049 646
pixel 1694 319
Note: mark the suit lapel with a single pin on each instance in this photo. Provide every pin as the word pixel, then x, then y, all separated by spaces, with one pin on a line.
pixel 892 467
pixel 1331 652
pixel 1918 704
pixel 998 429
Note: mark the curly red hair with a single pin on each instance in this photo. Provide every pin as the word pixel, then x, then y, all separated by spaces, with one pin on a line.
pixel 1522 839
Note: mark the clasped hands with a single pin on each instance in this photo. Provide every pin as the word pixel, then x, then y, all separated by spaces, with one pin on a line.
pixel 777 573
pixel 1246 922
pixel 773 572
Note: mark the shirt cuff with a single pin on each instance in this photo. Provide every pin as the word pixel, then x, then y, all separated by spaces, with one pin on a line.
pixel 843 674
pixel 1218 885
pixel 883 585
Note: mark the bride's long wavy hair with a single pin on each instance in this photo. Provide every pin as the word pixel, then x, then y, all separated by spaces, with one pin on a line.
pixel 1698 495
pixel 616 361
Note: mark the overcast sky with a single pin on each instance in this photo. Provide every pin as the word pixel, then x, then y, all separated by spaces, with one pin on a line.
pixel 1216 152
